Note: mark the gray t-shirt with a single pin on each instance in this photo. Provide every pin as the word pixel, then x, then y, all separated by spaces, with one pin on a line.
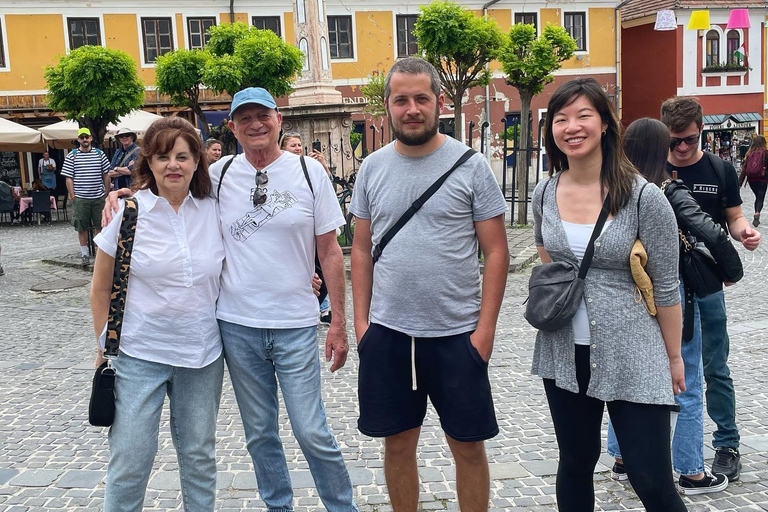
pixel 427 281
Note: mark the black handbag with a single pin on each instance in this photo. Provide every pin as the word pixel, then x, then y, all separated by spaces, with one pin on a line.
pixel 101 407
pixel 555 289
pixel 698 267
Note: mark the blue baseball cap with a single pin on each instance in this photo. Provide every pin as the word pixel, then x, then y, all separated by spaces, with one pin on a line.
pixel 252 95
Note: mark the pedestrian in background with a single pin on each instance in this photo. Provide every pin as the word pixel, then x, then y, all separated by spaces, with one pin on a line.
pixel 714 185
pixel 755 163
pixel 170 343
pixel 613 352
pixel 646 144
pixel 46 170
pixel 124 159
pixel 212 150
pixel 425 327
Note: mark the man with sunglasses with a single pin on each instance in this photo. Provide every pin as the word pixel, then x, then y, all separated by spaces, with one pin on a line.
pixel 714 184
pixel 274 212
pixel 86 170
pixel 124 159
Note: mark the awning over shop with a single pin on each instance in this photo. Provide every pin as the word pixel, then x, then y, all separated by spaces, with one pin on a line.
pixel 720 119
pixel 17 137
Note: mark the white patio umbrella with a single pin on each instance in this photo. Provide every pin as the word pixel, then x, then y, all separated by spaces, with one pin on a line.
pixel 17 137
pixel 60 135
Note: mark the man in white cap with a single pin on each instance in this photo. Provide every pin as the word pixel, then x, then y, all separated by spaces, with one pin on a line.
pixel 124 159
pixel 276 208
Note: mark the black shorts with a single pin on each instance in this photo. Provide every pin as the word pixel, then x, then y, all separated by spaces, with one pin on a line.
pixel 449 370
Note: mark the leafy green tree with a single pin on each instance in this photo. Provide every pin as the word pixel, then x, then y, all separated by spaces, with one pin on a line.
pixel 459 44
pixel 373 92
pixel 528 63
pixel 94 86
pixel 247 57
pixel 179 74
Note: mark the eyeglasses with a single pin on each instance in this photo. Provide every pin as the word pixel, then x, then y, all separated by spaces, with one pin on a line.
pixel 291 134
pixel 260 192
pixel 689 141
pixel 84 137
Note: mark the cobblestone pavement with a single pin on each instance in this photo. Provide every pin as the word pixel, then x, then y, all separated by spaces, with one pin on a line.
pixel 51 459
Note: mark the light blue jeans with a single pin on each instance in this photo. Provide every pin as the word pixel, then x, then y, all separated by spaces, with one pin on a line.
pixel 194 394
pixel 325 305
pixel 688 443
pixel 257 359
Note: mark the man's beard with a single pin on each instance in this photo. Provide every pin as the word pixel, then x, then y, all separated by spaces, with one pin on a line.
pixel 417 139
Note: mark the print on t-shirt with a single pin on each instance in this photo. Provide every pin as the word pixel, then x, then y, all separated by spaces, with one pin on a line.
pixel 252 221
pixel 705 188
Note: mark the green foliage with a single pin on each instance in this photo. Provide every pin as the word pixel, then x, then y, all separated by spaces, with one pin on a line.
pixel 354 139
pixel 724 67
pixel 459 44
pixel 244 56
pixel 179 74
pixel 512 133
pixel 94 86
pixel 373 92
pixel 528 62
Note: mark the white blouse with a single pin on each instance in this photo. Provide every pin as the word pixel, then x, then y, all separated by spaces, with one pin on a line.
pixel 173 286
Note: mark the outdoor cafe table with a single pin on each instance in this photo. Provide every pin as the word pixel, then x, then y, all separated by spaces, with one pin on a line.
pixel 26 202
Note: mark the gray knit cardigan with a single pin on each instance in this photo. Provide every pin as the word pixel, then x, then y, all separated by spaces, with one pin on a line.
pixel 628 358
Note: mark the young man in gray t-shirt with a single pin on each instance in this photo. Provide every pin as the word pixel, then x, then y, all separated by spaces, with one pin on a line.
pixel 424 328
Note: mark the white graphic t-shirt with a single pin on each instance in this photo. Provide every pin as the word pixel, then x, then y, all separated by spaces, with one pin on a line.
pixel 270 249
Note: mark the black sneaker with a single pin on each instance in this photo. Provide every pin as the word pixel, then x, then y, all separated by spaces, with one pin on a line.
pixel 712 482
pixel 2 272
pixel 756 220
pixel 727 462
pixel 618 472
pixel 325 317
pixel 85 260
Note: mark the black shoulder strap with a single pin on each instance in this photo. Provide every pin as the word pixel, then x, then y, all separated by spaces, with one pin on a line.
pixel 306 174
pixel 639 197
pixel 416 206
pixel 223 172
pixel 586 261
pixel 120 276
pixel 719 166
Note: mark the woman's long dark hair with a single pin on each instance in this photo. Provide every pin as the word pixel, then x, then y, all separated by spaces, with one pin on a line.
pixel 757 144
pixel 646 144
pixel 617 173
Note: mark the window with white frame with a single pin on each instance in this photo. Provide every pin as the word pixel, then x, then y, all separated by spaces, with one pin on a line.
pixel 340 37
pixel 406 38
pixel 198 28
pixel 732 43
pixel 267 23
pixel 526 18
pixel 83 32
pixel 712 48
pixel 158 37
pixel 575 23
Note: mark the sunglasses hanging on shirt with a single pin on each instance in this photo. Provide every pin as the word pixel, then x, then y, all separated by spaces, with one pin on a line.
pixel 260 192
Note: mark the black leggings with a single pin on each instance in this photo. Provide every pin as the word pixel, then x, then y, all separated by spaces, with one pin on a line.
pixel 643 433
pixel 759 188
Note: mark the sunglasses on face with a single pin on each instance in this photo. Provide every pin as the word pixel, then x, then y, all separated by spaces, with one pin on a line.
pixel 84 137
pixel 260 193
pixel 689 141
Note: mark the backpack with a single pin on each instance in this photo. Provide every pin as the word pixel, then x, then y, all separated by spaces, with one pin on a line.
pixel 755 165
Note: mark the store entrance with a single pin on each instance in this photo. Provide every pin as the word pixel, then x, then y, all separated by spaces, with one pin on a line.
pixel 729 144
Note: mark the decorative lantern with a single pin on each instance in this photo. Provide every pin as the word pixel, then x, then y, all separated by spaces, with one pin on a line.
pixel 665 20
pixel 738 18
pixel 699 20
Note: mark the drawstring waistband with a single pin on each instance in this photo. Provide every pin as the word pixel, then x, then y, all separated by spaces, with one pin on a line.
pixel 413 363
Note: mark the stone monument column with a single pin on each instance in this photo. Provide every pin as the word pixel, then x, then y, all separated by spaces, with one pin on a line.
pixel 315 85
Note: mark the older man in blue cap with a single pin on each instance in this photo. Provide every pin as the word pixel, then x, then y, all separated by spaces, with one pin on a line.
pixel 276 208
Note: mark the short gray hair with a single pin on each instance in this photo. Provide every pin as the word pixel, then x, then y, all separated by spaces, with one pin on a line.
pixel 413 66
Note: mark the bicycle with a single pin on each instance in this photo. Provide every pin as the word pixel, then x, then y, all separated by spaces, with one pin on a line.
pixel 344 196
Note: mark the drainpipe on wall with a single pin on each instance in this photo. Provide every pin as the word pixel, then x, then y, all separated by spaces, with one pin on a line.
pixel 232 12
pixel 617 23
pixel 487 96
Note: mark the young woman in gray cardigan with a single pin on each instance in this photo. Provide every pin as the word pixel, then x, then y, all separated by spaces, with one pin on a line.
pixel 614 352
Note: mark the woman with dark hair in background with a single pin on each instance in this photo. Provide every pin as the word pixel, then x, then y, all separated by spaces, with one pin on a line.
pixel 613 352
pixel 646 144
pixel 758 183
pixel 170 343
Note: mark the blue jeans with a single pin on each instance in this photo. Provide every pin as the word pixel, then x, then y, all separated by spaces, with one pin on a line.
pixel 721 398
pixel 194 395
pixel 325 305
pixel 257 359
pixel 688 442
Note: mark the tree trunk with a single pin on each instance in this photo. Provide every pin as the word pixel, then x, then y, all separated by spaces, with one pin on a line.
pixel 521 157
pixel 98 129
pixel 457 128
pixel 201 116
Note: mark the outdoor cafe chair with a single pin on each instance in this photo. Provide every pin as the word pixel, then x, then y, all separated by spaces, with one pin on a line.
pixel 41 204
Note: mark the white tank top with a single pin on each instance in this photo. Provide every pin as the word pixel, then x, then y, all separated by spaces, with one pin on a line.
pixel 578 236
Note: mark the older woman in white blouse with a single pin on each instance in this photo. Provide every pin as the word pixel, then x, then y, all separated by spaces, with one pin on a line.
pixel 170 343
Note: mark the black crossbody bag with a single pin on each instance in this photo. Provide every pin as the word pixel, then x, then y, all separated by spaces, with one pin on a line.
pixel 555 289
pixel 101 408
pixel 416 206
